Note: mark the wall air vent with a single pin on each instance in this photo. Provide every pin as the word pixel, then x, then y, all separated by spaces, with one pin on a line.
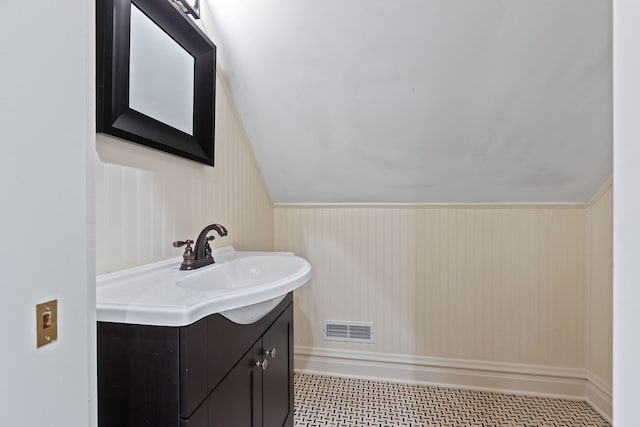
pixel 348 331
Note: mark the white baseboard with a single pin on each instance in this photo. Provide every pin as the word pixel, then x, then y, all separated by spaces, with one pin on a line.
pixel 566 383
pixel 599 395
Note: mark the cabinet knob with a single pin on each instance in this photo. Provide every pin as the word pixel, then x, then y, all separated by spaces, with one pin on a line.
pixel 271 353
pixel 262 364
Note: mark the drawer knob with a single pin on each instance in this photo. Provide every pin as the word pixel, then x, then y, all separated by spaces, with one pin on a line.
pixel 262 364
pixel 271 353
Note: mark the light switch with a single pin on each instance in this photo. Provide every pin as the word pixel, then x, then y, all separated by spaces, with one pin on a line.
pixel 47 322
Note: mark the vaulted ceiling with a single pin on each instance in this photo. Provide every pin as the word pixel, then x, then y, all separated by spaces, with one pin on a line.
pixel 422 100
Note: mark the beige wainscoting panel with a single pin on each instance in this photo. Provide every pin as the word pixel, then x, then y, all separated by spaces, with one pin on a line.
pixel 146 199
pixel 599 288
pixel 466 283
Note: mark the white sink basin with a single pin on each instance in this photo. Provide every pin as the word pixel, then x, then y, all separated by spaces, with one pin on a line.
pixel 244 271
pixel 242 286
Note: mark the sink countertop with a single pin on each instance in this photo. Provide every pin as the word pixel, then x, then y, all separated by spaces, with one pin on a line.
pixel 150 295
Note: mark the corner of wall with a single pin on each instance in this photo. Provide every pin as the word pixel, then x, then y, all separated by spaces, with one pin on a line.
pixel 598 298
pixel 601 191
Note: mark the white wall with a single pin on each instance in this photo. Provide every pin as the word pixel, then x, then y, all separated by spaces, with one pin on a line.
pixel 46 127
pixel 146 199
pixel 626 208
pixel 509 297
pixel 500 284
pixel 490 284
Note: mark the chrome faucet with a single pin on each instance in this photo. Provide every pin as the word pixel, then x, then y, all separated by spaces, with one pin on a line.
pixel 200 255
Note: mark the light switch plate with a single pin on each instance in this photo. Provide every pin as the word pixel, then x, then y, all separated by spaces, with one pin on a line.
pixel 47 322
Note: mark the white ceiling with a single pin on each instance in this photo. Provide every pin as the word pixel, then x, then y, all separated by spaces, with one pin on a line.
pixel 422 100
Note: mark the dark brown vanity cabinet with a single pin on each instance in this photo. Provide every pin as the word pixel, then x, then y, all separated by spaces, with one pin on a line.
pixel 211 373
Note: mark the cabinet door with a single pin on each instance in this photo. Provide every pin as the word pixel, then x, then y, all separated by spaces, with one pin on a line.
pixel 193 367
pixel 138 375
pixel 277 379
pixel 228 341
pixel 237 401
pixel 200 418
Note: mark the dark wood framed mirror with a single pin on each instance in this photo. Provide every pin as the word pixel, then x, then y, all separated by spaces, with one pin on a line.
pixel 155 78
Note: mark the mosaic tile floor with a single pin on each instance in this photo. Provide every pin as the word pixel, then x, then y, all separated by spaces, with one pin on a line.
pixel 325 401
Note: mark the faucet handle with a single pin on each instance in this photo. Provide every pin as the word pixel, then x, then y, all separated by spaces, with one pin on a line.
pixel 188 257
pixel 180 243
pixel 207 246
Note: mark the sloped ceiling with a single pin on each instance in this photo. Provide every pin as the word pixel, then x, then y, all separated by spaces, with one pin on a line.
pixel 422 100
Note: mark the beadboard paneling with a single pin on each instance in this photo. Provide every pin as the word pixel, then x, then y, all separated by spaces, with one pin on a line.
pixel 599 282
pixel 477 283
pixel 146 199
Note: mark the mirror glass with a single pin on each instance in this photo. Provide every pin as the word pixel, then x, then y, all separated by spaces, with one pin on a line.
pixel 161 75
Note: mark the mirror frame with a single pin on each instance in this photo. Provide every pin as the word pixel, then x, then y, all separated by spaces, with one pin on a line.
pixel 113 115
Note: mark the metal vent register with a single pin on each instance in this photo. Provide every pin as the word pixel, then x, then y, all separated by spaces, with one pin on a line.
pixel 348 331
